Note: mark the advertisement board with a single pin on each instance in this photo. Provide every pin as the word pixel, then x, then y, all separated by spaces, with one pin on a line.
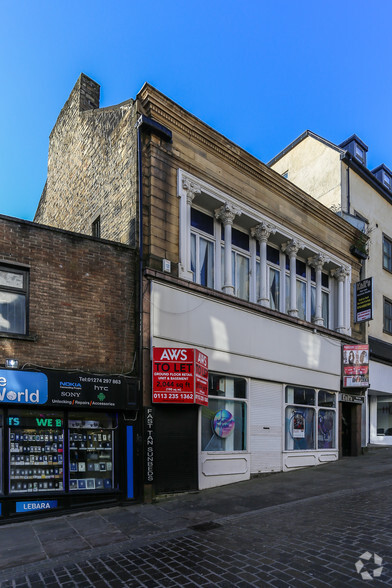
pixel 363 297
pixel 355 366
pixel 179 376
pixel 68 389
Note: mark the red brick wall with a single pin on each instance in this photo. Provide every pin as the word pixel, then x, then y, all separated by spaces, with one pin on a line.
pixel 81 299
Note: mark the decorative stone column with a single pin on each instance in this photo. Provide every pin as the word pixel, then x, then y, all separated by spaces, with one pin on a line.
pixel 341 274
pixel 262 233
pixel 191 190
pixel 226 214
pixel 317 262
pixel 291 249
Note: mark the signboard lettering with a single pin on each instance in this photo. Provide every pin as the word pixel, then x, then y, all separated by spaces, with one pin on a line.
pixel 364 300
pixel 180 376
pixel 19 387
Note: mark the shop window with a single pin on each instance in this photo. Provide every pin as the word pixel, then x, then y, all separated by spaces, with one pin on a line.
pixel 91 451
pixel 387 254
pixel 36 451
pixel 13 300
pixel 384 415
pixel 305 409
pixel 224 419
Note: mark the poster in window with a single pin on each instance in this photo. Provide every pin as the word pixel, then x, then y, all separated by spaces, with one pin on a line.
pixel 355 366
pixel 298 425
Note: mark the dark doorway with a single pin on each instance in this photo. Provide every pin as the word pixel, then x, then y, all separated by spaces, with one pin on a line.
pixel 176 466
pixel 350 429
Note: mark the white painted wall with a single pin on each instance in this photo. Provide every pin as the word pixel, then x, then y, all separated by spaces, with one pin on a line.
pixel 244 342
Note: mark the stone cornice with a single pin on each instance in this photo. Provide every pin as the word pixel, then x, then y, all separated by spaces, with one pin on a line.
pixel 160 107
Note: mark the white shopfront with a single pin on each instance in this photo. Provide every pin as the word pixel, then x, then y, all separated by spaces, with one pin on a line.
pixel 380 404
pixel 278 381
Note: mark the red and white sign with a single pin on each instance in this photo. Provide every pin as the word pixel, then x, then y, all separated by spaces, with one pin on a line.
pixel 179 376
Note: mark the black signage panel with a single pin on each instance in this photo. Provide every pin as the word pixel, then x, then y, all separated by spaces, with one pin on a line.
pixel 92 391
pixel 364 300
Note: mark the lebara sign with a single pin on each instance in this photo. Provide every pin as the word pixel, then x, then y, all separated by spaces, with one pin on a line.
pixel 180 376
pixel 19 387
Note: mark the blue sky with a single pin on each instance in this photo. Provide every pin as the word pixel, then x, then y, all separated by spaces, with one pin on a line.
pixel 260 72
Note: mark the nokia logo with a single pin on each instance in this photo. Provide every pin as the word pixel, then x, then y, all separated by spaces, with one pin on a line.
pixel 70 385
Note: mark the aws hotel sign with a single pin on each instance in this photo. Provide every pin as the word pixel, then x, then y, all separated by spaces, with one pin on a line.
pixel 19 387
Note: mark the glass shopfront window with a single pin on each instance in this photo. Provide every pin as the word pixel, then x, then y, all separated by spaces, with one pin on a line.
pixel 224 419
pixel 304 406
pixel 36 446
pixel 384 415
pixel 91 451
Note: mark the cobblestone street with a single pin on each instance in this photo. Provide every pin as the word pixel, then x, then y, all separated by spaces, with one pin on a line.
pixel 311 541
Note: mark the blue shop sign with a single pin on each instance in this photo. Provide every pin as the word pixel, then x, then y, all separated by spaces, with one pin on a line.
pixel 35 505
pixel 20 387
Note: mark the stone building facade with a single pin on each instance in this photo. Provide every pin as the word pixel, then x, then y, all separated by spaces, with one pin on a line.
pixel 235 262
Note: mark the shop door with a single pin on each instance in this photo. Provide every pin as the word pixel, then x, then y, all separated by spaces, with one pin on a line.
pixel 350 429
pixel 175 448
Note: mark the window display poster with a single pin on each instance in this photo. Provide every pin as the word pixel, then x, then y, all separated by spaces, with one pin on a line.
pixel 298 425
pixel 355 366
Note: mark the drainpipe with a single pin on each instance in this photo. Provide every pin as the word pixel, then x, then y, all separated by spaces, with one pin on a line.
pixel 144 124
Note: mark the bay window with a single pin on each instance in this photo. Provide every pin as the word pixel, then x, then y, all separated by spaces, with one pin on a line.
pixel 229 248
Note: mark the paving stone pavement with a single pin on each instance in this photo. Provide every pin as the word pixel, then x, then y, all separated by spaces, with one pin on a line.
pixel 314 539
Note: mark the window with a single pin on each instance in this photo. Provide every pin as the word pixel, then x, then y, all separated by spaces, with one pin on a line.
pixel 202 248
pixel 223 421
pixel 310 419
pixel 203 259
pixel 96 227
pixel 384 415
pixel 240 259
pixel 13 300
pixel 387 254
pixel 359 153
pixel 387 181
pixel 387 316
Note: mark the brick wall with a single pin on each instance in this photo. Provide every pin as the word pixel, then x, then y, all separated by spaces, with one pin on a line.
pixel 82 299
pixel 92 167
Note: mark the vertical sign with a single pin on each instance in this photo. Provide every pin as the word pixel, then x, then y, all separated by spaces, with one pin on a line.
pixel 149 432
pixel 201 378
pixel 179 376
pixel 363 300
pixel 355 366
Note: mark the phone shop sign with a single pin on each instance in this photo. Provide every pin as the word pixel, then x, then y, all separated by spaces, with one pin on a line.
pixel 179 376
pixel 20 387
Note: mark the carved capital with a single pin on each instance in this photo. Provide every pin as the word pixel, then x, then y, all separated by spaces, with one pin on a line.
pixel 318 261
pixel 292 247
pixel 340 273
pixel 263 231
pixel 227 213
pixel 191 188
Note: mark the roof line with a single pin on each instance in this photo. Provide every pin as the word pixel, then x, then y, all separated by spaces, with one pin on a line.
pixel 298 140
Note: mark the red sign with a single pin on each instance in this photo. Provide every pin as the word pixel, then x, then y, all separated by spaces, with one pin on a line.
pixel 179 376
